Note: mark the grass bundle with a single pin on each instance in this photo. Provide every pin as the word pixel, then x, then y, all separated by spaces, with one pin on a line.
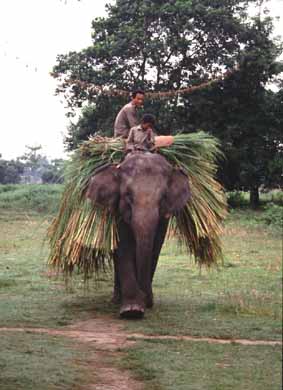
pixel 199 224
pixel 82 236
pixel 85 237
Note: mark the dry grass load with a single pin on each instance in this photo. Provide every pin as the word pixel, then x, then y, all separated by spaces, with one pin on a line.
pixel 84 237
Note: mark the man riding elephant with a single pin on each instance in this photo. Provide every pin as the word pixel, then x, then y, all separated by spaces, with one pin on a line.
pixel 128 115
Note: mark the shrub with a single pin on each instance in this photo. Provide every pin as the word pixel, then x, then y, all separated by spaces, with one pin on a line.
pixel 274 196
pixel 272 215
pixel 31 197
pixel 237 199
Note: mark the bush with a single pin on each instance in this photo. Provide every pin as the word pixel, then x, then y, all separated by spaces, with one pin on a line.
pixel 272 215
pixel 274 196
pixel 31 197
pixel 237 199
pixel 7 187
pixel 51 177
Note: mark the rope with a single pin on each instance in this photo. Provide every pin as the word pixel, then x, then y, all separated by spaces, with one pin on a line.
pixel 96 89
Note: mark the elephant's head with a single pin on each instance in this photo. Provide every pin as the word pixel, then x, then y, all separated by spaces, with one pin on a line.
pixel 143 189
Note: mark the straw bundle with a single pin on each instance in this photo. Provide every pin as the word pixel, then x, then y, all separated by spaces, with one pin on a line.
pixel 85 237
pixel 199 224
pixel 82 236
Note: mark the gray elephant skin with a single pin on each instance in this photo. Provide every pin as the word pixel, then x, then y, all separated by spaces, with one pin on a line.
pixel 144 192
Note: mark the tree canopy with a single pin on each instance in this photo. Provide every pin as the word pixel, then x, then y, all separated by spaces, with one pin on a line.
pixel 169 45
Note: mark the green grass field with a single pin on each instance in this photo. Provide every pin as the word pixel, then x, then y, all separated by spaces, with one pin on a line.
pixel 240 299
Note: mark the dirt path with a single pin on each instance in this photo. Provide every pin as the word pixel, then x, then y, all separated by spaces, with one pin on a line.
pixel 109 339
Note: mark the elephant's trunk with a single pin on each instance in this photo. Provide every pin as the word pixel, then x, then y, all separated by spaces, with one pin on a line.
pixel 144 227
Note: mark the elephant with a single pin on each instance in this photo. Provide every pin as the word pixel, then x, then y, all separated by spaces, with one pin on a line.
pixel 144 191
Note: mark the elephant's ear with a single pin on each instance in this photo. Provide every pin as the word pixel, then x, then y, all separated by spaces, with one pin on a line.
pixel 103 188
pixel 178 193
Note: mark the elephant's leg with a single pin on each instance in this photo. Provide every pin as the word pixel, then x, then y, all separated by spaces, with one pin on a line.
pixel 133 299
pixel 158 242
pixel 117 295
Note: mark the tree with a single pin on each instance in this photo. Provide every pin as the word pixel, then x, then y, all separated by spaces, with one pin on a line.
pixel 169 45
pixel 34 164
pixel 158 45
pixel 32 158
pixel 246 116
pixel 10 171
pixel 94 118
pixel 54 172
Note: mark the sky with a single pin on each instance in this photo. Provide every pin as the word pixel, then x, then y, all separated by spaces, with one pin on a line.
pixel 32 34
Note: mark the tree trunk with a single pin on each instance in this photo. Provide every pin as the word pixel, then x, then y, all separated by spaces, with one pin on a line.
pixel 254 197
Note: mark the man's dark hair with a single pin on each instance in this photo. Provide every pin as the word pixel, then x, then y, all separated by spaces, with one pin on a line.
pixel 136 91
pixel 149 118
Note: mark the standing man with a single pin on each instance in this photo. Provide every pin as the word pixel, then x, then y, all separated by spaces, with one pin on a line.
pixel 128 116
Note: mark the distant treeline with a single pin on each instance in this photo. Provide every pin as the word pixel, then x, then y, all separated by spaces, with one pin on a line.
pixel 31 168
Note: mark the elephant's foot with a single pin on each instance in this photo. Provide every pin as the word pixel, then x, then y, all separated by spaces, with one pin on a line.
pixel 132 311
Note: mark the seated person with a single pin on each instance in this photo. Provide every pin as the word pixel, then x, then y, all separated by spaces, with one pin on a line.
pixel 128 116
pixel 141 137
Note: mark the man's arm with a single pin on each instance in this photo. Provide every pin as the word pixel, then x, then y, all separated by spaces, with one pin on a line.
pixel 132 116
pixel 121 127
pixel 151 139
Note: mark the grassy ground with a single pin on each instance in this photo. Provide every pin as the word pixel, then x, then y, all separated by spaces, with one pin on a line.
pixel 34 361
pixel 240 299
pixel 165 365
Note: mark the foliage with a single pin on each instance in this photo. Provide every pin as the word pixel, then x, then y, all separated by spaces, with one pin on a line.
pixel 54 172
pixel 240 199
pixel 34 164
pixel 167 45
pixel 236 199
pixel 95 118
pixel 250 130
pixel 10 171
pixel 156 45
pixel 30 197
pixel 274 196
pixel 273 215
pixel 31 168
pixel 31 157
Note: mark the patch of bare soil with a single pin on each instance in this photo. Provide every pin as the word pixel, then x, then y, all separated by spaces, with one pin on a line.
pixel 109 339
pixel 211 340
